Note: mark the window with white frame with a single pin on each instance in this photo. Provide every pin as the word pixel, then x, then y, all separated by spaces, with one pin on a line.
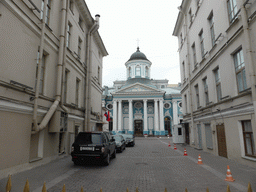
pixel 190 16
pixel 218 83
pixel 130 72
pixel 201 37
pixel 194 53
pixel 80 22
pixel 211 22
pixel 69 35
pixel 208 136
pixel 77 91
pixel 249 145
pixel 48 9
pixel 240 70
pixel 197 96
pixel 232 10
pixel 183 70
pixel 186 103
pixel 206 95
pixel 137 71
pixel 42 76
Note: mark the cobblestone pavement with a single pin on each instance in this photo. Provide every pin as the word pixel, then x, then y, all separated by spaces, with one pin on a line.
pixel 150 165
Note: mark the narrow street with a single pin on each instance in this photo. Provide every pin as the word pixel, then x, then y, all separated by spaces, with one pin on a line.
pixel 151 165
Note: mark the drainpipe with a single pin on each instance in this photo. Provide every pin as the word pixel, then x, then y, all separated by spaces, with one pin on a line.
pixel 249 54
pixel 54 106
pixel 39 71
pixel 91 31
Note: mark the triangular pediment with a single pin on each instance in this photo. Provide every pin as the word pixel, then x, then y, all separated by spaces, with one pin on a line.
pixel 138 88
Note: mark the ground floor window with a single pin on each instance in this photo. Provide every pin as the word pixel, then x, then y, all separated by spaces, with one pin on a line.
pixel 208 136
pixel 248 139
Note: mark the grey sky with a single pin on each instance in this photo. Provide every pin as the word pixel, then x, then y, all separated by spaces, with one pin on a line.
pixel 122 22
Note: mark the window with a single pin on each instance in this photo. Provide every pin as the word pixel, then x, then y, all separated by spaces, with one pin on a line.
pixel 194 53
pixel 77 91
pixel 137 72
pixel 79 47
pixel 42 76
pixel 190 16
pixel 197 96
pixel 179 131
pixel 65 86
pixel 211 22
pixel 208 136
pixel 248 139
pixel 218 83
pixel 240 70
pixel 206 95
pixel 201 37
pixel 130 72
pixel 183 69
pixel 69 35
pixel 232 10
pixel 146 71
pixel 186 103
pixel 98 73
pixel 80 22
pixel 48 9
pixel 71 5
pixel 181 39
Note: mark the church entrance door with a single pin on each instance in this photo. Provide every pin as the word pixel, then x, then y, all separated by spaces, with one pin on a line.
pixel 138 128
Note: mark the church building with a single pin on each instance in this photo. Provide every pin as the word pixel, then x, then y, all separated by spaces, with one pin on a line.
pixel 141 105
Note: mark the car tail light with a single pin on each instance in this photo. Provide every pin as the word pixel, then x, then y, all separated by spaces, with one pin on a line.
pixel 102 149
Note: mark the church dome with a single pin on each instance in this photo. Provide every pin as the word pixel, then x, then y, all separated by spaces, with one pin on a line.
pixel 138 55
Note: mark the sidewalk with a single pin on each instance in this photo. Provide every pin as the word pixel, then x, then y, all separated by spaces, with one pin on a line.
pixel 61 169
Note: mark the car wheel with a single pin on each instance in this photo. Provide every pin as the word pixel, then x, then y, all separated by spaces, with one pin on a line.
pixel 106 160
pixel 114 154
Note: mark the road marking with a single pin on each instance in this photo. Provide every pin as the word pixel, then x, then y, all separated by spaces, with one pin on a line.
pixel 213 171
pixel 57 180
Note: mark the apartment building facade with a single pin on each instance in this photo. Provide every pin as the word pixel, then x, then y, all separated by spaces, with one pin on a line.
pixel 217 66
pixel 50 79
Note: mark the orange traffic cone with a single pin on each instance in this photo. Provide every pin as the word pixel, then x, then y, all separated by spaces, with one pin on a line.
pixel 175 148
pixel 229 176
pixel 169 144
pixel 185 152
pixel 199 160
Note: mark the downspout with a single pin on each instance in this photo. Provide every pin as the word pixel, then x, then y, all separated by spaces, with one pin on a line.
pixel 39 71
pixel 91 31
pixel 249 53
pixel 54 106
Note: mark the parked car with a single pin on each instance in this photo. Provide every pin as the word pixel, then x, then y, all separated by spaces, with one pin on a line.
pixel 93 146
pixel 120 142
pixel 129 138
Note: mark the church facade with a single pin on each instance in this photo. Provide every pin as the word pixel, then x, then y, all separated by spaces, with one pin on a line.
pixel 141 105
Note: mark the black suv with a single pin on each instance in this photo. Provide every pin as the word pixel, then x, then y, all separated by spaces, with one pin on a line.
pixel 93 146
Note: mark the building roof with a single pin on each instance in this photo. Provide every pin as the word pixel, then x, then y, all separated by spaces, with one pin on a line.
pixel 138 56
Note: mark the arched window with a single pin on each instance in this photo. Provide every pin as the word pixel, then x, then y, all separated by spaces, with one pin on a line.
pixel 130 72
pixel 137 71
pixel 146 72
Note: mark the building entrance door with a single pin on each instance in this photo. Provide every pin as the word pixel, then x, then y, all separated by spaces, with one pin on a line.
pixel 138 128
pixel 167 125
pixel 222 148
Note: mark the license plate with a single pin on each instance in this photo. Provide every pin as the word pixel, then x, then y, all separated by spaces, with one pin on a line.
pixel 86 148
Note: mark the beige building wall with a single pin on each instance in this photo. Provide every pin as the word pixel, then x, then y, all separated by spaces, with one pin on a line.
pixel 193 29
pixel 20 35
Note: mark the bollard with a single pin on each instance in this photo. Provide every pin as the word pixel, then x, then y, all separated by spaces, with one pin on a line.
pixel 44 188
pixel 207 190
pixel 249 187
pixel 137 190
pixel 228 189
pixel 127 190
pixel 100 189
pixel 82 189
pixel 64 188
pixel 26 188
pixel 165 190
pixel 186 190
pixel 9 184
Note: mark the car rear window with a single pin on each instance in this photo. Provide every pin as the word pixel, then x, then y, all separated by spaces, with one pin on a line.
pixel 88 138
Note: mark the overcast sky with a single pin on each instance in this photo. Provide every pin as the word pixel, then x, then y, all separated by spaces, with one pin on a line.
pixel 122 22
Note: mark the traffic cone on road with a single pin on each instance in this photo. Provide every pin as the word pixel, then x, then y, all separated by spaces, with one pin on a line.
pixel 229 176
pixel 200 162
pixel 185 152
pixel 169 144
pixel 175 148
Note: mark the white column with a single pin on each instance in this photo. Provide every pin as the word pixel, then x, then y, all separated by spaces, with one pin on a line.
pixel 114 115
pixel 130 115
pixel 119 115
pixel 175 112
pixel 156 115
pixel 145 115
pixel 161 109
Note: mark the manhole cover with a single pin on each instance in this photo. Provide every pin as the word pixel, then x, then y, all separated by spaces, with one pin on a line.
pixel 141 163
